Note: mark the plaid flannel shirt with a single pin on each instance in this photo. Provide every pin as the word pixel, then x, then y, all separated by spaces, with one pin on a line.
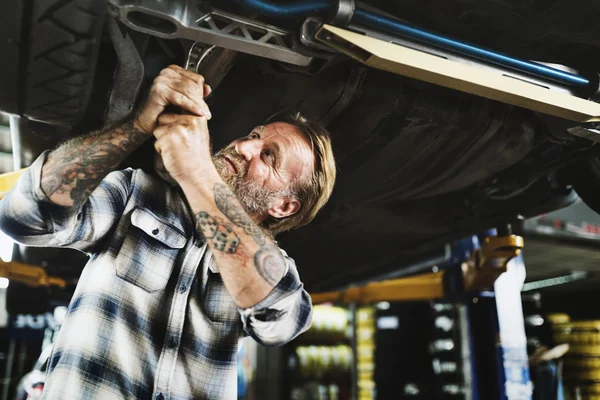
pixel 150 317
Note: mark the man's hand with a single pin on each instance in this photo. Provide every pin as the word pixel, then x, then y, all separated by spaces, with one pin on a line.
pixel 183 143
pixel 173 86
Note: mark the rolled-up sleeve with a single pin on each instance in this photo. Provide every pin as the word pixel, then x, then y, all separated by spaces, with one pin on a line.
pixel 30 218
pixel 284 314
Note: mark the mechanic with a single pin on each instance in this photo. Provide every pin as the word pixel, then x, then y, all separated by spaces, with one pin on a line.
pixel 178 273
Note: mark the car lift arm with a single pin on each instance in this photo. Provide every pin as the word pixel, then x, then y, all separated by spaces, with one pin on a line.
pixel 478 273
pixel 29 274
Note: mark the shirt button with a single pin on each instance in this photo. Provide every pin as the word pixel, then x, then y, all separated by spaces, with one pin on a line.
pixel 182 289
pixel 155 231
pixel 160 397
pixel 172 343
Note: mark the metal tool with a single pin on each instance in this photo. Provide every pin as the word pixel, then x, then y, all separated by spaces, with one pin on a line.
pixel 196 55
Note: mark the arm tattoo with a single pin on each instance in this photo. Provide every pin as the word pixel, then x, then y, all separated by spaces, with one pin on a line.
pixel 76 167
pixel 268 260
pixel 269 263
pixel 230 206
pixel 218 233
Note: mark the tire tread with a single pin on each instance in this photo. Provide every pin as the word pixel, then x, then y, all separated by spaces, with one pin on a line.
pixel 47 75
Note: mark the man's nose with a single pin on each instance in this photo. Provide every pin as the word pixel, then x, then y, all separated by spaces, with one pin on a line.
pixel 249 148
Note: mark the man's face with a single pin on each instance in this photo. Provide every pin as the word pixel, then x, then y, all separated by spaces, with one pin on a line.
pixel 261 167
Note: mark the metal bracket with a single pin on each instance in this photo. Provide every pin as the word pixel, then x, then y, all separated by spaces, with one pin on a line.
pixel 588 130
pixel 402 60
pixel 308 30
pixel 489 262
pixel 184 20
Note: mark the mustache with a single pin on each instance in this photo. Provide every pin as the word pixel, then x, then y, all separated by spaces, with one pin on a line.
pixel 238 161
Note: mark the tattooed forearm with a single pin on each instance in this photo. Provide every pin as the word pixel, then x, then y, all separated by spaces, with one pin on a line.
pixel 230 206
pixel 75 168
pixel 220 235
pixel 268 260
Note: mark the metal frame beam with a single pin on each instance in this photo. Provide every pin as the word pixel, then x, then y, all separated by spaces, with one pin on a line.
pixel 402 60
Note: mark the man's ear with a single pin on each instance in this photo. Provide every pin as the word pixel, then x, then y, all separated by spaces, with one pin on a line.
pixel 284 207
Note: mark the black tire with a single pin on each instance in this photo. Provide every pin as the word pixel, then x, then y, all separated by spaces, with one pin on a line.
pixel 49 52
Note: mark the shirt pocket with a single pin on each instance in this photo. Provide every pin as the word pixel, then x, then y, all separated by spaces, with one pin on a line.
pixel 218 304
pixel 149 251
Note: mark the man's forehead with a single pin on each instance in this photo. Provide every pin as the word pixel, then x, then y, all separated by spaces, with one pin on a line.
pixel 292 137
pixel 285 133
pixel 282 128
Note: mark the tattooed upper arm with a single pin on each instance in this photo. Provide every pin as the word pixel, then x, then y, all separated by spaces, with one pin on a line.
pixel 270 263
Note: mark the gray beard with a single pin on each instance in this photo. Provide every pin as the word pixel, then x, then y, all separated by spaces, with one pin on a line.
pixel 255 199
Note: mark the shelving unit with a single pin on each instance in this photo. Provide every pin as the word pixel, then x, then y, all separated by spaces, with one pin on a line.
pixel 319 363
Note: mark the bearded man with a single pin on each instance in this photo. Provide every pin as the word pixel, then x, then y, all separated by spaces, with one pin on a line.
pixel 181 268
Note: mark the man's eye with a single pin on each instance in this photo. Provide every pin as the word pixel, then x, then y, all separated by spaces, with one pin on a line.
pixel 269 155
pixel 254 135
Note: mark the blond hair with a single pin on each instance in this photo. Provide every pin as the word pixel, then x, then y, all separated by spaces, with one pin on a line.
pixel 313 193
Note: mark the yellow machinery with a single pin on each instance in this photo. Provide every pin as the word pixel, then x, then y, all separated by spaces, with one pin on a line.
pixel 479 272
pixel 28 274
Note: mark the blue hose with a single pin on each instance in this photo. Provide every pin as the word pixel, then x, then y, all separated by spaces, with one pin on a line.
pixel 299 8
pixel 371 20
pixel 376 21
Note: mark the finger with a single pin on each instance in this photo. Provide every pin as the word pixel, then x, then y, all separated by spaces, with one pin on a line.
pixel 161 131
pixel 201 123
pixel 194 96
pixel 207 90
pixel 189 89
pixel 197 78
pixel 163 147
pixel 169 72
pixel 168 119
pixel 181 100
pixel 178 119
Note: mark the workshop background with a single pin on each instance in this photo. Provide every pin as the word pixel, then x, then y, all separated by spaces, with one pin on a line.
pixel 532 332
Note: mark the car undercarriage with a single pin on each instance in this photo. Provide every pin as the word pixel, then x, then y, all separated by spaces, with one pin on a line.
pixel 420 165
